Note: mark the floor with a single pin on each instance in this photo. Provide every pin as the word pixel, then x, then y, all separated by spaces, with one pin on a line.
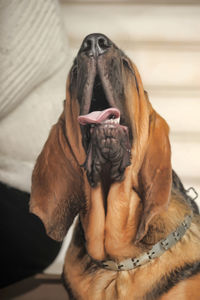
pixel 39 287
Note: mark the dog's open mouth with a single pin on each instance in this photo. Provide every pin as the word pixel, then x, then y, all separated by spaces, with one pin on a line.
pixel 105 135
pixel 108 141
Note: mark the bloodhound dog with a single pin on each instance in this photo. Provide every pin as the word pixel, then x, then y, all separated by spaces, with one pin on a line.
pixel 108 161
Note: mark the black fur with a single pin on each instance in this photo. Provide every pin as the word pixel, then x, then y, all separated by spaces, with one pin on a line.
pixel 168 282
pixel 177 186
pixel 67 287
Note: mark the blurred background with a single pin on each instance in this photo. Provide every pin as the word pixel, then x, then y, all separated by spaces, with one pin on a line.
pixel 39 40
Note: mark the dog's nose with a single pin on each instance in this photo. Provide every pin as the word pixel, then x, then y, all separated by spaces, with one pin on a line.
pixel 95 44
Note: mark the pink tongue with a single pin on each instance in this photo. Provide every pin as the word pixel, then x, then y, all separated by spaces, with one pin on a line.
pixel 97 117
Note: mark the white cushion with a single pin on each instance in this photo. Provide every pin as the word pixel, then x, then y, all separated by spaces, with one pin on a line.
pixel 33 63
pixel 32 48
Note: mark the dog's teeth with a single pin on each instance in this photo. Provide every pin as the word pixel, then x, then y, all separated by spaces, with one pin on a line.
pixel 116 121
pixel 111 121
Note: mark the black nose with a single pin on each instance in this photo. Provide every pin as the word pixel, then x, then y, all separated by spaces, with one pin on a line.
pixel 95 44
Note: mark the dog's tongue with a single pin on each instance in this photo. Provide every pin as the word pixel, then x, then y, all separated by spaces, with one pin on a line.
pixel 97 117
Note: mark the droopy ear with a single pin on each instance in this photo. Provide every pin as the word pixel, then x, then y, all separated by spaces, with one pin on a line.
pixel 57 194
pixel 155 175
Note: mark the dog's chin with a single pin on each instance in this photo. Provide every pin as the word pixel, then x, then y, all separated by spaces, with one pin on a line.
pixel 109 146
pixel 105 138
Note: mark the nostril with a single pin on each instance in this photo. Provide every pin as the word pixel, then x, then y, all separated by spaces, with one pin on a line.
pixel 87 45
pixel 103 43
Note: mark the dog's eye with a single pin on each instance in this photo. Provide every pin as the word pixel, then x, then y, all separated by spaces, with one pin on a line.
pixel 127 65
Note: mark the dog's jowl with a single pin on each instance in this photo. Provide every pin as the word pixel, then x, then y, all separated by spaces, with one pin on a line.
pixel 108 161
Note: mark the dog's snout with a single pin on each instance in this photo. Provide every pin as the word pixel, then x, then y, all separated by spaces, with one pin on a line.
pixel 95 44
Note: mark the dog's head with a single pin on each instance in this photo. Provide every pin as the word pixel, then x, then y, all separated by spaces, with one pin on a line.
pixel 108 126
pixel 100 78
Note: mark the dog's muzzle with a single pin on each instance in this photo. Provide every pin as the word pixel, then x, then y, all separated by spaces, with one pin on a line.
pixel 100 88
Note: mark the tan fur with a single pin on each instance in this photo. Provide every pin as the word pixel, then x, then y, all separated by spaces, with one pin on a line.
pixel 104 284
pixel 188 289
pixel 141 209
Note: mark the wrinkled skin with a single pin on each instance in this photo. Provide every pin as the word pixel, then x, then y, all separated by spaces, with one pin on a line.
pixel 107 145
